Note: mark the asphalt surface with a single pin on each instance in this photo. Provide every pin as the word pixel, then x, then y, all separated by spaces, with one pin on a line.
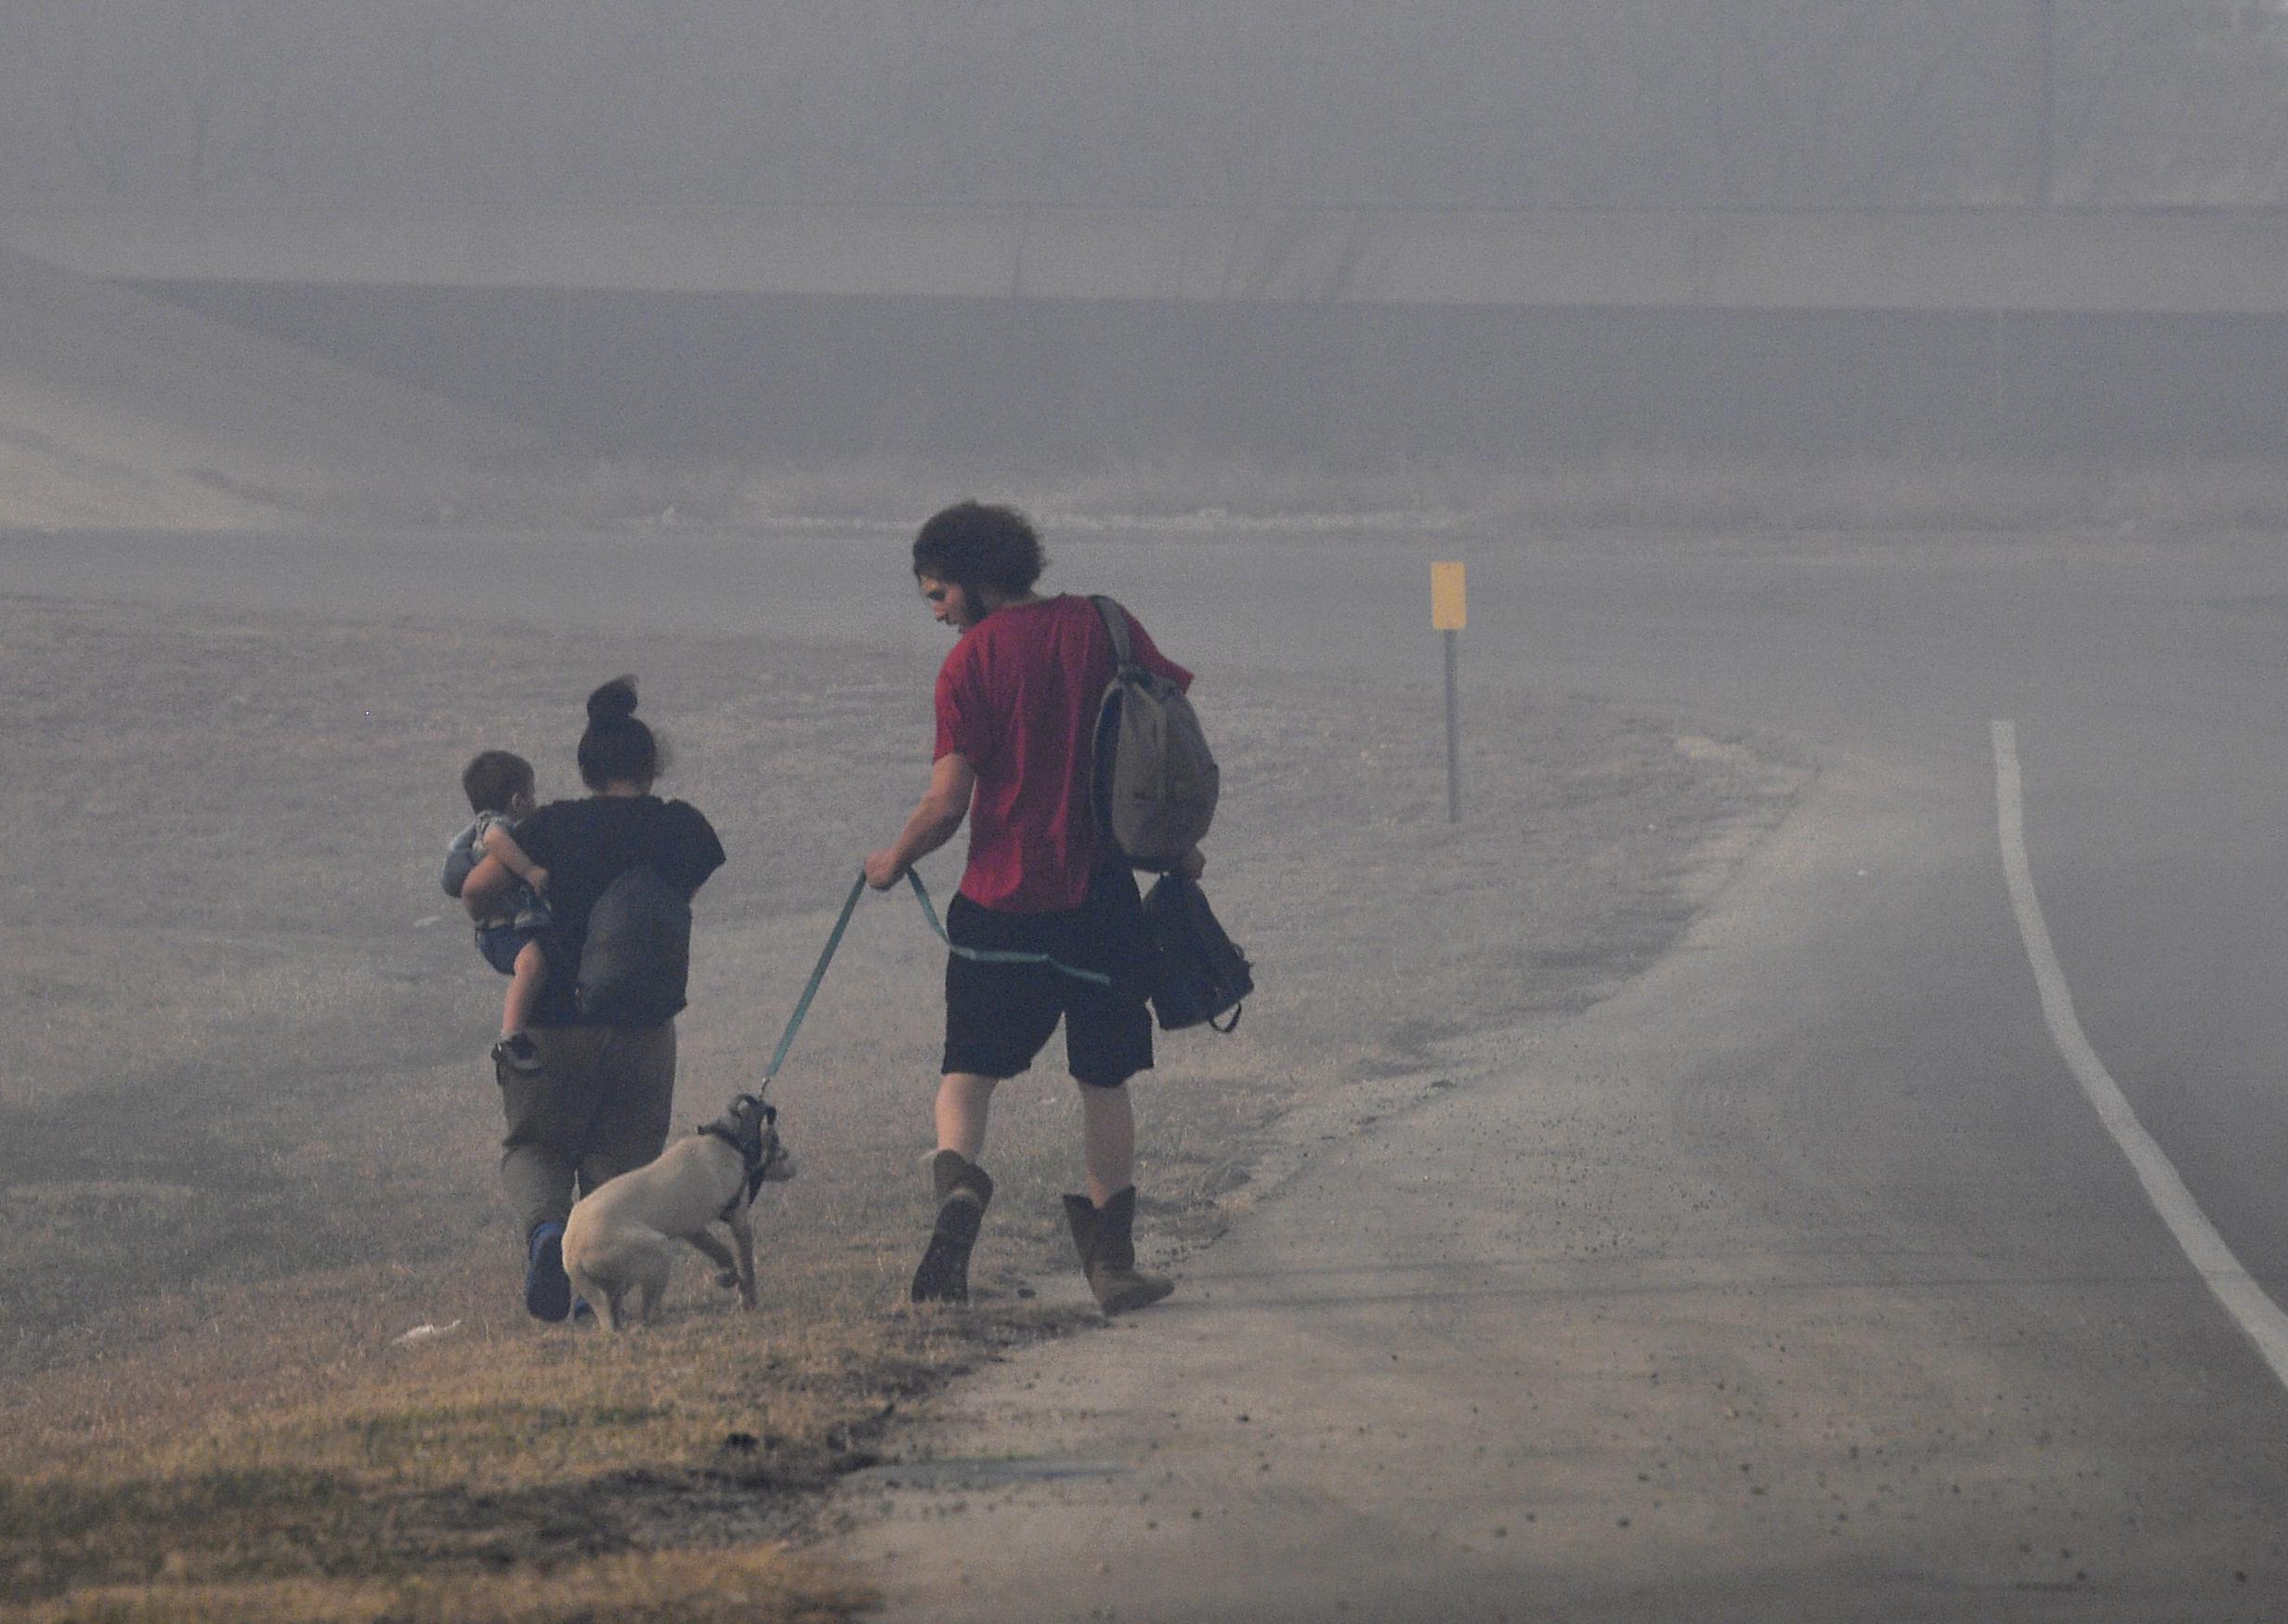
pixel 1801 1280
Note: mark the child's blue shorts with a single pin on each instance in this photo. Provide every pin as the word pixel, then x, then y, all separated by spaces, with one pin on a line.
pixel 499 944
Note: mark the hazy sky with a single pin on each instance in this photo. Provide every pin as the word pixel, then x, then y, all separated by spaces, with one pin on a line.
pixel 1478 104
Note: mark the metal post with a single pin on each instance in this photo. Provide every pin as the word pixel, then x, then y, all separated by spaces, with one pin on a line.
pixel 2044 181
pixel 1453 732
pixel 1449 613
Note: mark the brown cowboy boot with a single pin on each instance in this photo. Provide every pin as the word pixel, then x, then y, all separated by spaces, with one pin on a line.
pixel 1103 1238
pixel 962 1191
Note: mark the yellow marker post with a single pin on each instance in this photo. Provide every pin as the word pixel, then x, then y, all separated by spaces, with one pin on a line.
pixel 1449 613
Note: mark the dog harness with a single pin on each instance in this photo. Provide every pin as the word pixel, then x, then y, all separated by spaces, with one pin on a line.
pixel 755 1153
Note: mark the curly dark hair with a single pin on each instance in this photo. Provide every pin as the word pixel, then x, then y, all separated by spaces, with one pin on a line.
pixel 970 544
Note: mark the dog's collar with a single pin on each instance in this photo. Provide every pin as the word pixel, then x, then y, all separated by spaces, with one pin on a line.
pixel 754 1151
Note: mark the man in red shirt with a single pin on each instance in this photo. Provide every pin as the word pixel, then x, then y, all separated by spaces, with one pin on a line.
pixel 1016 716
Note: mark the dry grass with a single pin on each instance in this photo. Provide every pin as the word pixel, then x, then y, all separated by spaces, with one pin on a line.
pixel 680 1587
pixel 247 1140
pixel 649 1477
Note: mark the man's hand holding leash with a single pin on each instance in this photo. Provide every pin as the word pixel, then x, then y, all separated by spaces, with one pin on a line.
pixel 883 870
pixel 943 807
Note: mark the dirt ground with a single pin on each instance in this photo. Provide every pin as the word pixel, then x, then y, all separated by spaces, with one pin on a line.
pixel 247 1135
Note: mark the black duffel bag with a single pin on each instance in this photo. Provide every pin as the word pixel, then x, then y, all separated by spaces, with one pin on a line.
pixel 1197 973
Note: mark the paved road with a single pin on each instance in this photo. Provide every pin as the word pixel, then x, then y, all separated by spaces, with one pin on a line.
pixel 1801 1280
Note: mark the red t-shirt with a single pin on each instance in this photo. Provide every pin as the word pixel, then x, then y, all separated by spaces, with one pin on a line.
pixel 1018 697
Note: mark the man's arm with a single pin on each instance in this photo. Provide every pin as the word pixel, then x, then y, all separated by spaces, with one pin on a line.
pixel 943 806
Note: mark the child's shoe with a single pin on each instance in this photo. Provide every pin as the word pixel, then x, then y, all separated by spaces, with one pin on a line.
pixel 517 1051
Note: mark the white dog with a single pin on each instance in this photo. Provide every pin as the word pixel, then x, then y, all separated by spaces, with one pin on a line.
pixel 624 1235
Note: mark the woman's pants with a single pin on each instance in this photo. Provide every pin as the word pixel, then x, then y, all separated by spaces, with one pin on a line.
pixel 596 1107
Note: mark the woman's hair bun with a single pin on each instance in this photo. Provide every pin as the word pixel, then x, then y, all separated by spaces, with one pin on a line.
pixel 617 747
pixel 613 704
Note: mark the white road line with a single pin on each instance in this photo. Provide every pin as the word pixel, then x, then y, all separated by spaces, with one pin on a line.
pixel 2243 1299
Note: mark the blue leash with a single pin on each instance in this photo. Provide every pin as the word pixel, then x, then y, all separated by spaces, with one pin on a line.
pixel 929 911
pixel 992 955
pixel 802 1005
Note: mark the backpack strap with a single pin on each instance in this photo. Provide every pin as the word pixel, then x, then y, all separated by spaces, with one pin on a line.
pixel 1116 624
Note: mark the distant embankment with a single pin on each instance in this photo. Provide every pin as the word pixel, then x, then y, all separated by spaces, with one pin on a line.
pixel 1330 332
pixel 2113 260
pixel 121 409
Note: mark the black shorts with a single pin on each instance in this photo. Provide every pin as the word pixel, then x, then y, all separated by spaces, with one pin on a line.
pixel 998 1016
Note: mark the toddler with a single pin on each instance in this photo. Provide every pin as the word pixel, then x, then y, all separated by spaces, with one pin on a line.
pixel 498 786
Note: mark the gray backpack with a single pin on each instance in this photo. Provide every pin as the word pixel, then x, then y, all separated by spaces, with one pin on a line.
pixel 1154 780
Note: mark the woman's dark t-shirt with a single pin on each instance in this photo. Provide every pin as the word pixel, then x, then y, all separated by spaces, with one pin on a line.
pixel 587 844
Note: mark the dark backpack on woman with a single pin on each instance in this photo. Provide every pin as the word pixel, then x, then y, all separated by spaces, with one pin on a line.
pixel 637 962
pixel 1197 973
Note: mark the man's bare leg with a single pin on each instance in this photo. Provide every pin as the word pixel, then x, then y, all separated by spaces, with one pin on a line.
pixel 964 1101
pixel 1107 1141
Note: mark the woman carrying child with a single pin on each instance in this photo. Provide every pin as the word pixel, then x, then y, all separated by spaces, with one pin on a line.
pixel 597 1099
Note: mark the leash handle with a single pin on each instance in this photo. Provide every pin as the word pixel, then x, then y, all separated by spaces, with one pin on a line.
pixel 993 955
pixel 802 1006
